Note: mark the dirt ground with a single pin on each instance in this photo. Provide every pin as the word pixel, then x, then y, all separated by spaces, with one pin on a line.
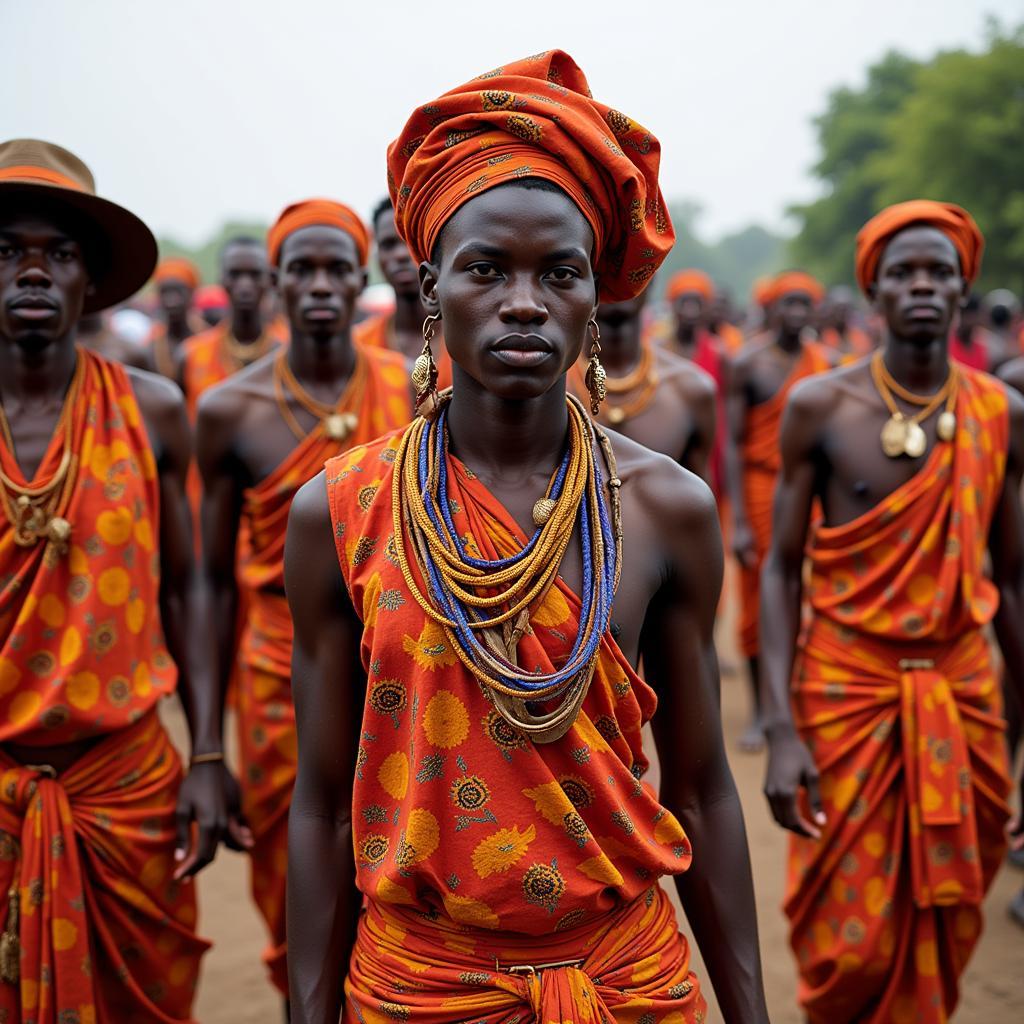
pixel 234 989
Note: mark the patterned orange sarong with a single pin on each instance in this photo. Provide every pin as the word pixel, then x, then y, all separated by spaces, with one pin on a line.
pixel 761 464
pixel 82 656
pixel 379 395
pixel 457 814
pixel 375 332
pixel 896 695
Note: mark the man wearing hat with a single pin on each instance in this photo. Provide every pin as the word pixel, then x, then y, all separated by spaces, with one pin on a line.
pixel 99 832
pixel 887 710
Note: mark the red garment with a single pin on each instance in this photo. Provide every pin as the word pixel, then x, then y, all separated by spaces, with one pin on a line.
pixel 378 394
pixel 896 694
pixel 975 355
pixel 761 464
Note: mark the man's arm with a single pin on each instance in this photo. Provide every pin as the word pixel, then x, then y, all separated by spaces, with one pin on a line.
pixel 1006 545
pixel 790 764
pixel 203 797
pixel 218 420
pixel 698 393
pixel 732 445
pixel 697 785
pixel 328 686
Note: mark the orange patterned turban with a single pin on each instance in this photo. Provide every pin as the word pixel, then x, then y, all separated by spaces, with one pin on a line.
pixel 177 269
pixel 953 221
pixel 318 211
pixel 794 281
pixel 690 281
pixel 536 118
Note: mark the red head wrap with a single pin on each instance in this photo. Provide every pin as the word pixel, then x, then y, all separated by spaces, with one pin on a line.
pixel 325 212
pixel 177 269
pixel 953 221
pixel 690 281
pixel 210 296
pixel 794 281
pixel 536 118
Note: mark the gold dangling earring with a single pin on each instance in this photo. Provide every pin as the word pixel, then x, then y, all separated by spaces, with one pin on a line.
pixel 596 379
pixel 424 373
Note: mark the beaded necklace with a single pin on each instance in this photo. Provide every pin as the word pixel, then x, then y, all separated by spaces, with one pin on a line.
pixel 484 605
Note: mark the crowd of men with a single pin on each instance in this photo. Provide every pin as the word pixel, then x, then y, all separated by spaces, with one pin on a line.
pixel 391 542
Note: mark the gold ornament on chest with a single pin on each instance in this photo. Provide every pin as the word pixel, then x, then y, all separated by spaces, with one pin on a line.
pixel 338 425
pixel 902 434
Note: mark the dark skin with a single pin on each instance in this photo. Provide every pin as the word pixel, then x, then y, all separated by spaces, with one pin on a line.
pixel 918 290
pixel 515 287
pixel 760 369
pixel 241 436
pixel 44 280
pixel 94 333
pixel 406 327
pixel 680 420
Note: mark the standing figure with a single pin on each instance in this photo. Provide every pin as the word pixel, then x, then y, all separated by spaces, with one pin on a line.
pixel 762 377
pixel 654 397
pixel 260 436
pixel 176 279
pixel 887 711
pixel 99 829
pixel 471 597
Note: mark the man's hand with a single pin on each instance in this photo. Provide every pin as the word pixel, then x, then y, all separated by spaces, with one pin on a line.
pixel 210 798
pixel 790 767
pixel 743 546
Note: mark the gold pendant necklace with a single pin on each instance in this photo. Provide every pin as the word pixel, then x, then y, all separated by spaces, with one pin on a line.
pixel 904 435
pixel 336 423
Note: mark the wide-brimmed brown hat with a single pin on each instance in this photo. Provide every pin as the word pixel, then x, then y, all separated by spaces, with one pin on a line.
pixel 29 167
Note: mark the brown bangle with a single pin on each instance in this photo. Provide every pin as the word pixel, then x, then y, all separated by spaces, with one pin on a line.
pixel 212 758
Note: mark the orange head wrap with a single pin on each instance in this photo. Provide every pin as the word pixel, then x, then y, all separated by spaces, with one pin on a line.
pixel 690 281
pixel 761 291
pixel 177 269
pixel 793 281
pixel 536 118
pixel 953 221
pixel 318 211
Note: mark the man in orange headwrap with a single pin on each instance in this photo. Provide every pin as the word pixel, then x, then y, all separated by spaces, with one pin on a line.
pixel 175 280
pixel 508 851
pixel 402 330
pixel 887 710
pixel 761 379
pixel 838 331
pixel 96 613
pixel 690 294
pixel 259 438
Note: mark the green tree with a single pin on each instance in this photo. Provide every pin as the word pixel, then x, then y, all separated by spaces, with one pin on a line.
pixel 852 134
pixel 949 128
pixel 959 137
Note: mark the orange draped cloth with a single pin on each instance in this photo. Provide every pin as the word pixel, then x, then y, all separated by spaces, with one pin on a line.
pixel 730 336
pixel 379 395
pixel 761 463
pixel 375 332
pixel 895 693
pixel 82 656
pixel 461 821
pixel 860 343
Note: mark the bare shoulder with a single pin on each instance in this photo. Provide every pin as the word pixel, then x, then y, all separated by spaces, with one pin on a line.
pixel 817 395
pixel 752 352
pixel 692 381
pixel 1012 373
pixel 670 495
pixel 159 399
pixel 227 404
pixel 310 510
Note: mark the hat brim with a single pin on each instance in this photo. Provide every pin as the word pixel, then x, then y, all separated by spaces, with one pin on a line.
pixel 131 255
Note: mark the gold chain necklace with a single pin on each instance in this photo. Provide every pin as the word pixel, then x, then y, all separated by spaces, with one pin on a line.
pixel 903 435
pixel 37 512
pixel 336 424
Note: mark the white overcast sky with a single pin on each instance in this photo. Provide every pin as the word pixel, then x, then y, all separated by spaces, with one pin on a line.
pixel 191 112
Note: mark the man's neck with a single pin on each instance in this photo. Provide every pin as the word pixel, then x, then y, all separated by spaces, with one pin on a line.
pixel 178 327
pixel 509 440
pixel 246 325
pixel 921 367
pixel 38 375
pixel 622 354
pixel 686 335
pixel 323 365
pixel 409 314
pixel 788 341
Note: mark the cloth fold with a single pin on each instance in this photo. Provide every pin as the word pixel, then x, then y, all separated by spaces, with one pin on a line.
pixel 631 965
